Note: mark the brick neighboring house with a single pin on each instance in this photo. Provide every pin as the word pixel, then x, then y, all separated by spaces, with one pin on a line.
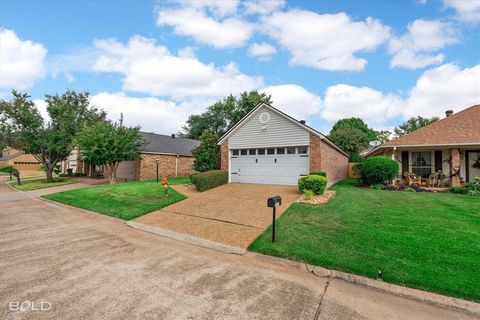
pixel 174 155
pixel 450 145
pixel 269 147
pixel 19 160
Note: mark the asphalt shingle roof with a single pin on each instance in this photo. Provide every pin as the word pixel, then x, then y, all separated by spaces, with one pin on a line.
pixel 159 143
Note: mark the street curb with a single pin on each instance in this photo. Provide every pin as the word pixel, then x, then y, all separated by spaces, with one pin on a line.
pixel 187 238
pixel 470 307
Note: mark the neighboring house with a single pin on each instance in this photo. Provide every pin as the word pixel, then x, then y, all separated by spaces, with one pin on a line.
pixel 268 146
pixel 19 160
pixel 450 145
pixel 174 155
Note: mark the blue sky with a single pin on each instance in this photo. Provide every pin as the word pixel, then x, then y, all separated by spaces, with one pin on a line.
pixel 159 61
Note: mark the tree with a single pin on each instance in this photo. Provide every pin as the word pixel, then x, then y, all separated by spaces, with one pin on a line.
pixel 207 154
pixel 222 115
pixel 383 135
pixel 413 124
pixel 108 144
pixel 350 140
pixel 355 123
pixel 49 141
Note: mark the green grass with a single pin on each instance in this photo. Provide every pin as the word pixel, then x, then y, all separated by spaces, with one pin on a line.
pixel 429 241
pixel 34 184
pixel 126 201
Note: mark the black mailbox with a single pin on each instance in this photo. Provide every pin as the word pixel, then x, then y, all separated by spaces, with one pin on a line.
pixel 274 202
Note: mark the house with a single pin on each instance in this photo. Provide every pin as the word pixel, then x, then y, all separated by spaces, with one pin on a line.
pixel 173 154
pixel 268 146
pixel 19 160
pixel 450 145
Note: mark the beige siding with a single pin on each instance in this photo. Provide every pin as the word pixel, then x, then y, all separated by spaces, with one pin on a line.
pixel 277 132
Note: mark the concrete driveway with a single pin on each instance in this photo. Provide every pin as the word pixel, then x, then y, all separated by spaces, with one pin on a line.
pixel 90 266
pixel 233 214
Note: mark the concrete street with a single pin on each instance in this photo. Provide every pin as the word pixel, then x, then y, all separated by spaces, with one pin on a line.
pixel 90 266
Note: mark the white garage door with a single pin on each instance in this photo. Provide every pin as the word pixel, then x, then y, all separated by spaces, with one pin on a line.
pixel 282 165
pixel 126 171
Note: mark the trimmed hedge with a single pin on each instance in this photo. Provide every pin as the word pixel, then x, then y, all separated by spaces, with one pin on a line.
pixel 314 183
pixel 378 169
pixel 319 173
pixel 208 180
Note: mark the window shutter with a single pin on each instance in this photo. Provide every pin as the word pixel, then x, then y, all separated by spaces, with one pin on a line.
pixel 405 163
pixel 438 161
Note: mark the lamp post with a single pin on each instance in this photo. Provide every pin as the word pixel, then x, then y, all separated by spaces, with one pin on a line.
pixel 157 160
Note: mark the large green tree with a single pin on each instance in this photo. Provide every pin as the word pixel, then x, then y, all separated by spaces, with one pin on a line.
pixel 413 124
pixel 350 140
pixel 108 144
pixel 355 123
pixel 207 154
pixel 48 140
pixel 222 115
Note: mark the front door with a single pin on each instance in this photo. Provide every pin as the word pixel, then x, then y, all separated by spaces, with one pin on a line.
pixel 473 164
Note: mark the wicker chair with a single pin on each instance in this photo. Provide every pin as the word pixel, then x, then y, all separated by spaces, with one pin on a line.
pixel 411 178
pixel 437 179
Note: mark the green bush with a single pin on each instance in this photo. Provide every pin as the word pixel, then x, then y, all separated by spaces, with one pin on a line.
pixel 314 183
pixel 191 177
pixel 307 194
pixel 208 180
pixel 458 190
pixel 378 169
pixel 8 169
pixel 319 173
pixel 377 186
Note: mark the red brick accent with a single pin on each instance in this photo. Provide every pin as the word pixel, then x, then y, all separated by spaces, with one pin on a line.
pixel 334 163
pixel 455 168
pixel 315 153
pixel 224 156
pixel 147 166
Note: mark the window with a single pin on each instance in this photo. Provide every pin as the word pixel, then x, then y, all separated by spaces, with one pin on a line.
pixel 291 150
pixel 422 163
pixel 280 150
pixel 235 152
pixel 261 151
pixel 271 151
pixel 252 152
pixel 243 152
pixel 302 150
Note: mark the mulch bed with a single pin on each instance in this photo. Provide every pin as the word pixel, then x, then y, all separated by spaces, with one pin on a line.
pixel 319 200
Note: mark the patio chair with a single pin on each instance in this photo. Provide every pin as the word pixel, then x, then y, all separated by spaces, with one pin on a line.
pixel 436 179
pixel 411 178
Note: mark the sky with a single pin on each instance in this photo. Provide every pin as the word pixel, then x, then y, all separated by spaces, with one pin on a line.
pixel 158 62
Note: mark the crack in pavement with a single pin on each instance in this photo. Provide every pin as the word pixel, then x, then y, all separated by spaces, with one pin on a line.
pixel 317 314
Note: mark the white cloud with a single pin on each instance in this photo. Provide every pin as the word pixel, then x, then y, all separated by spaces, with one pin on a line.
pixel 414 49
pixel 345 101
pixel 151 68
pixel 262 50
pixel 442 88
pixel 263 7
pixel 219 8
pixel 467 10
pixel 21 61
pixel 191 21
pixel 325 41
pixel 294 100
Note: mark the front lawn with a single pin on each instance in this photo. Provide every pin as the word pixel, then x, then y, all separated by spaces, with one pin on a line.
pixel 126 201
pixel 429 241
pixel 34 184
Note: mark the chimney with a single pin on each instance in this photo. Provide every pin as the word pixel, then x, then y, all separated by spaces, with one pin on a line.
pixel 173 135
pixel 448 113
pixel 303 121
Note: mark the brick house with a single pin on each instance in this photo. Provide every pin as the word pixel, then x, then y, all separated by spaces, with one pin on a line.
pixel 173 153
pixel 19 160
pixel 268 146
pixel 450 145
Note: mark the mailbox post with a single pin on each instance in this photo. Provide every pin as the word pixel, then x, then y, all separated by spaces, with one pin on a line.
pixel 274 202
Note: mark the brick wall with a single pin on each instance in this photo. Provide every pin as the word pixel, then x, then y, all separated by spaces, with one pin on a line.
pixel 315 153
pixel 147 166
pixel 224 156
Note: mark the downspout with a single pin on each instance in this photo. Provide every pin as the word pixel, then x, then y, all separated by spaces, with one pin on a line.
pixel 176 166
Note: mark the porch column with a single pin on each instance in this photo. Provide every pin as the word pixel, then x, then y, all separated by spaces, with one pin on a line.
pixel 455 168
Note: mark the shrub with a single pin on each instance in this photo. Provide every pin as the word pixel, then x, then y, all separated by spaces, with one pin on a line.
pixel 314 183
pixel 307 194
pixel 378 169
pixel 319 173
pixel 208 180
pixel 408 189
pixel 7 169
pixel 377 186
pixel 458 190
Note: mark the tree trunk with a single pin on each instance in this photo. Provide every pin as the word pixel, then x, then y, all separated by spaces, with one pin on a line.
pixel 49 172
pixel 112 172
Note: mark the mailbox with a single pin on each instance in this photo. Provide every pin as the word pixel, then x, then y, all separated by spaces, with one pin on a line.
pixel 274 202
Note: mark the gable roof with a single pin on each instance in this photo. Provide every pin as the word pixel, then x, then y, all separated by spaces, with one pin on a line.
pixel 460 128
pixel 286 116
pixel 159 143
pixel 10 157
